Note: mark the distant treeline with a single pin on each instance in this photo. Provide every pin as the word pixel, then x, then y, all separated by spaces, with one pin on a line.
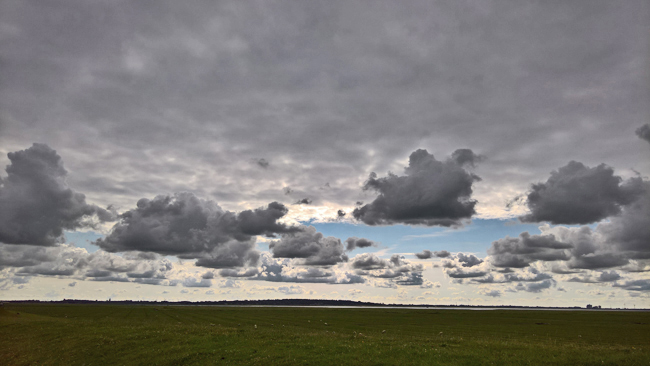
pixel 288 302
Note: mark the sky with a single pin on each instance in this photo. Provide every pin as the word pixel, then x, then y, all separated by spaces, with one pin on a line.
pixel 484 152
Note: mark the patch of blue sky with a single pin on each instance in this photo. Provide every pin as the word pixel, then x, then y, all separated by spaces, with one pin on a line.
pixel 475 237
pixel 83 239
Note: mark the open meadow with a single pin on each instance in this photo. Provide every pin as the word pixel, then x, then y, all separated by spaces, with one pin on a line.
pixel 103 334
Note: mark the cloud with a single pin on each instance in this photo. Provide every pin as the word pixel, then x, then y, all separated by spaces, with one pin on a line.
pixel 340 214
pixel 468 260
pixel 466 157
pixel 604 276
pixel 229 272
pixel 193 282
pixel 535 287
pixel 36 204
pixel 368 261
pixel 310 245
pixel 291 290
pixel 461 266
pixel 644 132
pixel 229 283
pixel 189 227
pixel 304 201
pixel 635 285
pixel 491 293
pixel 613 243
pixel 262 163
pixel 430 193
pixel 354 242
pixel 576 194
pixel 396 269
pixel 520 252
pixel 291 270
pixel 425 254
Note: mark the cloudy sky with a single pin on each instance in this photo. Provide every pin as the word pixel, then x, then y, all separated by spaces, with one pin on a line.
pixel 442 152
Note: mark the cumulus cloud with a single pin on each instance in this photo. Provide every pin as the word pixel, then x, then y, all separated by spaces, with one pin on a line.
pixel 577 194
pixel 461 266
pixel 635 285
pixel 287 270
pixel 520 252
pixel 66 260
pixel 425 254
pixel 304 201
pixel 396 269
pixel 534 287
pixel 189 227
pixel 312 246
pixel 613 243
pixel 430 193
pixel 36 204
pixel 354 242
pixel 644 132
pixel 491 293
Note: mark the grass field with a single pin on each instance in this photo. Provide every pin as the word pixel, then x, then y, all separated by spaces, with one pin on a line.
pixel 102 334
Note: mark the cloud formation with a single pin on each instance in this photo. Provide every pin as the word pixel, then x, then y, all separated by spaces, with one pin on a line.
pixel 312 246
pixel 189 227
pixel 36 204
pixel 354 242
pixel 644 132
pixel 577 194
pixel 432 192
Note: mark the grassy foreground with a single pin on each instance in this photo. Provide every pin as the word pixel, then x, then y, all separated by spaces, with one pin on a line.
pixel 60 334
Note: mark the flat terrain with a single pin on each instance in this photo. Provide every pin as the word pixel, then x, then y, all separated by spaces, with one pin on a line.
pixel 102 334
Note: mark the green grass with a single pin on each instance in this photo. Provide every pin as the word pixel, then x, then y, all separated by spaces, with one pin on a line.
pixel 59 334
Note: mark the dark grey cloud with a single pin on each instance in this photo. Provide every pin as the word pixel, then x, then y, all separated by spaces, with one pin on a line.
pixel 36 204
pixel 535 287
pixel 613 243
pixel 354 242
pixel 262 163
pixel 368 261
pixel 425 254
pixel 635 285
pixel 520 252
pixel 576 194
pixel 430 193
pixel 604 276
pixel 189 227
pixel 467 157
pixel 644 132
pixel 312 246
pixel 340 214
pixel 304 201
pixel 442 253
pixel 468 260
